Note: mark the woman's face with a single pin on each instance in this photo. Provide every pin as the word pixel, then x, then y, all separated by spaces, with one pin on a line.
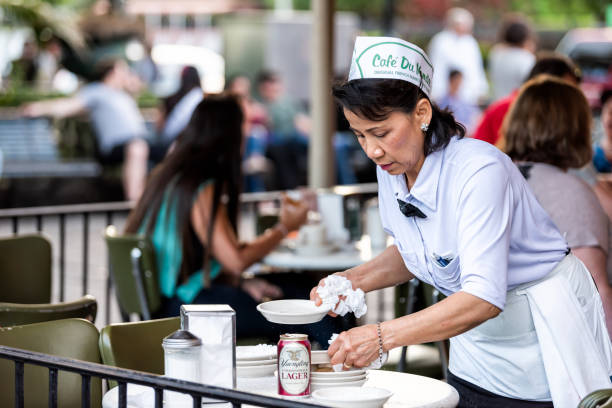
pixel 395 143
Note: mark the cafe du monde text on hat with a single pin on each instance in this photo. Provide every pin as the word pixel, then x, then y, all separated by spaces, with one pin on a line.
pixel 391 58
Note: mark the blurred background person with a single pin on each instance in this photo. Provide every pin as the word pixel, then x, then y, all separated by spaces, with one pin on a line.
pixel 547 63
pixel 456 48
pixel 547 132
pixel 193 230
pixel 25 69
pixel 176 109
pixel 464 112
pixel 602 157
pixel 512 58
pixel 257 168
pixel 289 128
pixel 119 126
pixel 285 120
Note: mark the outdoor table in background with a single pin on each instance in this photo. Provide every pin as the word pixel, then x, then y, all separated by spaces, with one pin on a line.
pixel 345 257
pixel 409 391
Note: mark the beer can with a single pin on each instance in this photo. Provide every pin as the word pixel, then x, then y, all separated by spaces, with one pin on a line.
pixel 294 365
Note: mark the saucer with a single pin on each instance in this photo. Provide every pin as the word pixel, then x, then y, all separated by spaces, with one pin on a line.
pixel 315 250
pixel 352 397
pixel 317 385
pixel 292 311
pixel 256 371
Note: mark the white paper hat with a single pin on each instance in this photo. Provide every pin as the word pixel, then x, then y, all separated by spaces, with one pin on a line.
pixel 392 58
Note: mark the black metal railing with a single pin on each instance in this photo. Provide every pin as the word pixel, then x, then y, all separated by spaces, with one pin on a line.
pixel 109 213
pixel 87 370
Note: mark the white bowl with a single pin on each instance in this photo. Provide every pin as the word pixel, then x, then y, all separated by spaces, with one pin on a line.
pixel 292 311
pixel 319 357
pixel 254 363
pixel 258 352
pixel 338 374
pixel 256 371
pixel 319 385
pixel 352 397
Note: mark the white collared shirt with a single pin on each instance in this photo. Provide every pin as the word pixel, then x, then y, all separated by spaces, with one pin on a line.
pixel 481 216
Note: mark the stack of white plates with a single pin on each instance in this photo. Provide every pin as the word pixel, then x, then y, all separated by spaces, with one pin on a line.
pixel 255 361
pixel 354 378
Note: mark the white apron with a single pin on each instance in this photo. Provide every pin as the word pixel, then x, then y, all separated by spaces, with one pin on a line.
pixel 550 342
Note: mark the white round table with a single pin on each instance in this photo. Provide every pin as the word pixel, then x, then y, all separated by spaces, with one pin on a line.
pixel 343 257
pixel 409 391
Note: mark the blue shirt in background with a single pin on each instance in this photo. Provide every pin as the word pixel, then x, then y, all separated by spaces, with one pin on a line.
pixel 601 163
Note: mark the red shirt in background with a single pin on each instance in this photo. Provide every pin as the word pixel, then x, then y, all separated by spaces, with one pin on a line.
pixel 489 127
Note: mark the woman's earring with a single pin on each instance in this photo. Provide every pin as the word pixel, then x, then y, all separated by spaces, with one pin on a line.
pixel 424 127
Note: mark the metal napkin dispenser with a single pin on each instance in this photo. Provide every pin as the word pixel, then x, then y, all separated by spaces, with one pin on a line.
pixel 215 325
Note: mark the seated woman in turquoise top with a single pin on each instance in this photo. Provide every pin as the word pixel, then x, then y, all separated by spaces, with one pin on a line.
pixel 201 261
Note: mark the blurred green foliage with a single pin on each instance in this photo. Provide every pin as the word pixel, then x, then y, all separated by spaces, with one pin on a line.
pixel 15 96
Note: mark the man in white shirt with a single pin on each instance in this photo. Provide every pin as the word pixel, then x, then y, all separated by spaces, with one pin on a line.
pixel 456 48
pixel 114 114
pixel 511 60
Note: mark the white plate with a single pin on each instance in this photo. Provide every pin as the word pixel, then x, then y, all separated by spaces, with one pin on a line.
pixel 327 380
pixel 256 371
pixel 292 311
pixel 353 397
pixel 319 357
pixel 338 374
pixel 318 385
pixel 255 363
pixel 258 352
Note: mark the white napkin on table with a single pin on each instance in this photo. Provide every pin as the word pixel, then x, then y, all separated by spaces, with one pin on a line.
pixel 336 286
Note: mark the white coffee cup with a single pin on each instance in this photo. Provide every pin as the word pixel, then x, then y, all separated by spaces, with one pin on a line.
pixel 312 235
pixel 378 237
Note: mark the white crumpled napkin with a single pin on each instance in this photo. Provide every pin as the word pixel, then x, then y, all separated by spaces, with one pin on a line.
pixel 335 286
pixel 374 365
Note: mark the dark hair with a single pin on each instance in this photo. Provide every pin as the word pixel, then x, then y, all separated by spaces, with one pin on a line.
pixel 549 122
pixel 103 68
pixel 266 76
pixel 376 99
pixel 189 79
pixel 556 64
pixel 605 95
pixel 209 148
pixel 516 33
pixel 454 73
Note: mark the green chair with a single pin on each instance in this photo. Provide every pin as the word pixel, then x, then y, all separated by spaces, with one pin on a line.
pixel 134 273
pixel 597 399
pixel 13 314
pixel 137 345
pixel 71 338
pixel 25 267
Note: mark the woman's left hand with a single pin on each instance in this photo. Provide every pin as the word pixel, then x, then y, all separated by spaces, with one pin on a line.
pixel 357 347
pixel 259 289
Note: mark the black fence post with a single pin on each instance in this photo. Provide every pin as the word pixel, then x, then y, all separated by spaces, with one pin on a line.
pixel 52 388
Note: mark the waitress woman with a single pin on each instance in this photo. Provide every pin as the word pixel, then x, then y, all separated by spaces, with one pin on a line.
pixel 525 321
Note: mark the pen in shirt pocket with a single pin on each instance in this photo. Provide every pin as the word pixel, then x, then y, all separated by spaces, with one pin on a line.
pixel 441 260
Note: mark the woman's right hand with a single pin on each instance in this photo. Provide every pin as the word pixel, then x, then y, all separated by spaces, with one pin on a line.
pixel 292 213
pixel 314 295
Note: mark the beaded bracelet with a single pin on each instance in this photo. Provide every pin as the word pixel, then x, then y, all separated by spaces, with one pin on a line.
pixel 380 343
